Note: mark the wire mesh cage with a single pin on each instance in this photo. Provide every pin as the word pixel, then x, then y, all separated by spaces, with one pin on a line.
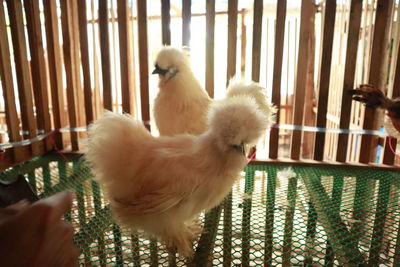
pixel 304 215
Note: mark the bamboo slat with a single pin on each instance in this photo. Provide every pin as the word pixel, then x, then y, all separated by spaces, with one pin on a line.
pixel 349 72
pixel 301 76
pixel 126 55
pixel 277 75
pixel 8 87
pixel 186 18
pixel 70 66
pixel 23 73
pixel 84 50
pixel 143 61
pixel 243 43
pixel 257 32
pixel 376 74
pixel 324 78
pixel 105 54
pixel 165 22
pixel 210 30
pixel 78 90
pixel 232 39
pixel 38 67
pixel 55 68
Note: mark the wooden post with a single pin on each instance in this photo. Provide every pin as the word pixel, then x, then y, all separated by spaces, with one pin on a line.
pixel 70 66
pixel 8 87
pixel 125 52
pixel 257 32
pixel 210 23
pixel 186 18
pixel 232 39
pixel 349 71
pixel 55 68
pixel 105 54
pixel 38 67
pixel 143 61
pixel 324 76
pixel 276 82
pixel 376 75
pixel 23 73
pixel 165 22
pixel 84 49
pixel 301 77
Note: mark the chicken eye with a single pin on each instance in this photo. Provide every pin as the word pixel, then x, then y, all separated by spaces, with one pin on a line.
pixel 239 148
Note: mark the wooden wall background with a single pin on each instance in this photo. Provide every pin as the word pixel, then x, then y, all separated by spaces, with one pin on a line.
pixel 63 61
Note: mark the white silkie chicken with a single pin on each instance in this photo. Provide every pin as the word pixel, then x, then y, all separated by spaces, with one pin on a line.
pixel 159 185
pixel 181 105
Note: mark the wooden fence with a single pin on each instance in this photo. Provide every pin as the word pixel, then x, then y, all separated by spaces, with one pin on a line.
pixel 63 61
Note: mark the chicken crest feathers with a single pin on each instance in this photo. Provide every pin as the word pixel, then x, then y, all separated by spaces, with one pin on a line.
pixel 236 120
pixel 255 90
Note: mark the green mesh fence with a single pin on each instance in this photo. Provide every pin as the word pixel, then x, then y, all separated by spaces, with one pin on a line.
pixel 323 216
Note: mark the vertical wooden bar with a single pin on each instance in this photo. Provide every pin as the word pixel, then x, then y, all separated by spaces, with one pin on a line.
pixel 70 65
pixel 227 242
pixel 55 67
pixel 8 87
pixel 383 19
pixel 379 222
pixel 232 39
pixel 210 28
pixel 246 218
pixel 243 42
pixel 324 76
pixel 78 92
pixel 143 61
pixel 349 72
pixel 277 75
pixel 269 217
pixel 289 217
pixel 126 55
pixel 165 22
pixel 186 18
pixel 301 76
pixel 105 53
pixel 38 67
pixel 84 49
pixel 257 32
pixel 23 73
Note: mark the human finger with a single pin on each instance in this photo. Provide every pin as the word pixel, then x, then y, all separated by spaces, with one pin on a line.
pixel 59 204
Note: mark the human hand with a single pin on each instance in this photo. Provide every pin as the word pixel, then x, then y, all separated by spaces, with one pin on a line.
pixel 36 235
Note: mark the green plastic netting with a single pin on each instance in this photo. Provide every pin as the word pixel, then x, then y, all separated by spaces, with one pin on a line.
pixel 323 216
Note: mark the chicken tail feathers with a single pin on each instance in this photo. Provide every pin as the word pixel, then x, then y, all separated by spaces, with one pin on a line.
pixel 113 139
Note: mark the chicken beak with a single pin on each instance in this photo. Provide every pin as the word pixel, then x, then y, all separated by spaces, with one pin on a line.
pixel 159 70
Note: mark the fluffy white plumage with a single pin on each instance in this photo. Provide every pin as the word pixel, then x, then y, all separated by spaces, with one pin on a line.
pixel 181 105
pixel 159 185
